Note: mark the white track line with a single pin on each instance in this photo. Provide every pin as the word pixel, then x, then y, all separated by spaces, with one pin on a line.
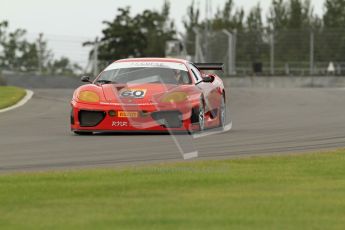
pixel 22 102
pixel 190 155
pixel 213 132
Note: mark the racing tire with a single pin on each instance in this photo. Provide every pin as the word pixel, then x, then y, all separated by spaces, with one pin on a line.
pixel 201 115
pixel 222 112
pixel 197 113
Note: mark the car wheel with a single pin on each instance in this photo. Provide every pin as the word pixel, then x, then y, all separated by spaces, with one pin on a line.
pixel 83 133
pixel 222 112
pixel 201 115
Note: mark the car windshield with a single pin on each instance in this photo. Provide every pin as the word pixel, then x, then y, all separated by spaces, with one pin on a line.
pixel 144 73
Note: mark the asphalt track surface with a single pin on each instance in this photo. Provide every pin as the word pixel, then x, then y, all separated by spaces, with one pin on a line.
pixel 36 136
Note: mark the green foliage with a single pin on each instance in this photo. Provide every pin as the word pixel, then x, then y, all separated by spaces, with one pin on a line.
pixel 63 66
pixel 146 34
pixel 278 15
pixel 142 35
pixel 18 54
pixel 228 18
pixel 290 22
pixel 254 19
pixel 333 33
pixel 121 38
pixel 253 46
pixel 293 23
pixel 334 16
pixel 292 14
pixel 190 23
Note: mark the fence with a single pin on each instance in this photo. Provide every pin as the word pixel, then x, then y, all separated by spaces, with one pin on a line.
pixel 285 52
pixel 294 52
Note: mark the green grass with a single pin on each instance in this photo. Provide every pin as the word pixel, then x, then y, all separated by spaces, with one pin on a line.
pixel 280 192
pixel 10 95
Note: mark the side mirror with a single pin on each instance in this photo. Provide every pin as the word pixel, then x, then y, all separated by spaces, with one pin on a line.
pixel 208 79
pixel 85 79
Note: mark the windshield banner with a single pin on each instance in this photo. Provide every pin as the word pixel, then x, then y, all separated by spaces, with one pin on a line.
pixel 166 65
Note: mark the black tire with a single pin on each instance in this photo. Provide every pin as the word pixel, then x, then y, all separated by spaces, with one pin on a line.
pixel 83 133
pixel 201 115
pixel 195 118
pixel 222 112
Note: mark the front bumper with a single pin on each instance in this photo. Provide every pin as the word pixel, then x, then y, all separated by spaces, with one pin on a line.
pixel 148 117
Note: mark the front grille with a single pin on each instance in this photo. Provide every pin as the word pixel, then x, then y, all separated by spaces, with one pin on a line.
pixel 168 119
pixel 90 118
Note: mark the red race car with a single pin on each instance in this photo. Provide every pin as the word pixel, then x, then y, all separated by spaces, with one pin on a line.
pixel 150 94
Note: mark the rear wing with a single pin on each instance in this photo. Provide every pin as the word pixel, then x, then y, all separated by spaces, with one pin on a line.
pixel 209 66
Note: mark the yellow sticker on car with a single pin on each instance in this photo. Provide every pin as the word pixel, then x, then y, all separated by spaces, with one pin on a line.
pixel 127 114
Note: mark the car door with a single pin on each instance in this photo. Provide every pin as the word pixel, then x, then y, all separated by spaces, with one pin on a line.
pixel 207 88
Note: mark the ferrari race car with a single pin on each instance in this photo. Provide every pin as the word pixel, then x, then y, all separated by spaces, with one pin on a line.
pixel 150 94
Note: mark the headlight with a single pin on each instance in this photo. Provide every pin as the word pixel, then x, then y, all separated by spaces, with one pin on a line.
pixel 175 97
pixel 88 96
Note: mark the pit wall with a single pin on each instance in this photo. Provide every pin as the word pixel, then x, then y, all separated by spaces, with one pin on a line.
pixel 286 82
pixel 34 81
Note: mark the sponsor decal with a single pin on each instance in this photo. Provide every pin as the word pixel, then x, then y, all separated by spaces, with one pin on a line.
pixel 144 64
pixel 119 124
pixel 133 93
pixel 127 114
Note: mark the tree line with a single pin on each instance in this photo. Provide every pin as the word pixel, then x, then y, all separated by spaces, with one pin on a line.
pixel 19 54
pixel 291 23
pixel 146 33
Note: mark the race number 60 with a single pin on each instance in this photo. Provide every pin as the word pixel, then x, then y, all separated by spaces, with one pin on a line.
pixel 133 93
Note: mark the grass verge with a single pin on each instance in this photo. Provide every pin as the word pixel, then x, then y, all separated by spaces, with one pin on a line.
pixel 10 95
pixel 279 192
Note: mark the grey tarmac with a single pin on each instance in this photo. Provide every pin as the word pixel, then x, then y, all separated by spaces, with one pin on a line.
pixel 37 136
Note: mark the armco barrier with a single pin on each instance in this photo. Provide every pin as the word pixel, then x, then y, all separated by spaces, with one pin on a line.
pixel 34 81
pixel 286 82
pixel 2 80
pixel 30 81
